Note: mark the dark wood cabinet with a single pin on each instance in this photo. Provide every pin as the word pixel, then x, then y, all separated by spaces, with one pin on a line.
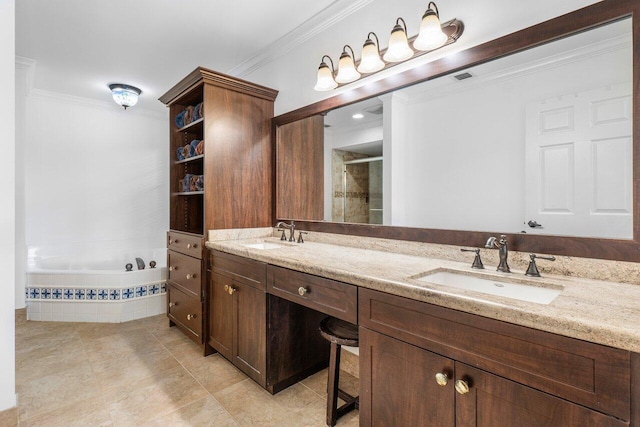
pixel 221 159
pixel 515 375
pixel 237 313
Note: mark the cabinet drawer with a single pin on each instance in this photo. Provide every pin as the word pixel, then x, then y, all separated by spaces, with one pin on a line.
pixel 185 310
pixel 188 244
pixel 250 272
pixel 328 296
pixel 585 373
pixel 185 271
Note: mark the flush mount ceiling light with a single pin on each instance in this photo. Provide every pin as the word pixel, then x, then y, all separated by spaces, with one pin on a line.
pixel 125 95
pixel 432 35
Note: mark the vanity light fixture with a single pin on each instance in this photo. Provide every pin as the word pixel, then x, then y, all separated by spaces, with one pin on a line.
pixel 432 35
pixel 370 60
pixel 325 76
pixel 125 95
pixel 347 72
pixel 398 49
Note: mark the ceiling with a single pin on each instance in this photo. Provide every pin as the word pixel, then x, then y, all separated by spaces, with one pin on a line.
pixel 81 45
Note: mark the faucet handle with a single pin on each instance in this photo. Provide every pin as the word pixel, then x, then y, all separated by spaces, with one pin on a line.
pixel 283 237
pixel 532 270
pixel 300 233
pixel 477 262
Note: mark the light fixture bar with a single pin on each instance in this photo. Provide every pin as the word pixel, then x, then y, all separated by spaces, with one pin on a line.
pixel 451 29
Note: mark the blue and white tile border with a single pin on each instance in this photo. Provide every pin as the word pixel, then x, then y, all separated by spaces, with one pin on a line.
pixel 102 294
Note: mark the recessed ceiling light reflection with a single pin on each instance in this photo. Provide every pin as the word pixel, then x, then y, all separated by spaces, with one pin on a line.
pixel 358 116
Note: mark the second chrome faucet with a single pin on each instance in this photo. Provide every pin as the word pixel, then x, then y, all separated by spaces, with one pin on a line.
pixel 503 251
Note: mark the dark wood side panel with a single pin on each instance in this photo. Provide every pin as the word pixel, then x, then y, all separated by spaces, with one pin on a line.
pixel 582 372
pixel 398 387
pixel 238 159
pixel 300 169
pixel 493 400
pixel 248 271
pixel 295 348
pixel 325 295
pixel 635 390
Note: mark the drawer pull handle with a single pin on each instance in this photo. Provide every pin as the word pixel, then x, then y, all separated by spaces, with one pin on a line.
pixel 172 268
pixel 232 290
pixel 191 276
pixel 172 304
pixel 170 242
pixel 188 245
pixel 191 246
pixel 226 288
pixel 302 291
pixel 442 379
pixel 462 387
pixel 191 316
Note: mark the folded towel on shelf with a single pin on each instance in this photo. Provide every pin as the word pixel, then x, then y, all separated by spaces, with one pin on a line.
pixel 179 120
pixel 188 116
pixel 180 153
pixel 200 148
pixel 193 148
pixel 192 182
pixel 199 182
pixel 197 112
pixel 186 183
pixel 186 151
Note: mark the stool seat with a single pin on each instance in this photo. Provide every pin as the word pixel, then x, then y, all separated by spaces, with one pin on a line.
pixel 338 333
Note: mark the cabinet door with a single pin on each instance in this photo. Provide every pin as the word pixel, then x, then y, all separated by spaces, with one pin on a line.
pixel 250 331
pixel 493 400
pixel 221 314
pixel 398 385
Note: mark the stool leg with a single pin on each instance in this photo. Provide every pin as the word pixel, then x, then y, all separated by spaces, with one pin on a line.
pixel 332 385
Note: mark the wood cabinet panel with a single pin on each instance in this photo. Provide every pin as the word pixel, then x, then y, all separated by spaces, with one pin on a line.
pixel 398 386
pixel 248 271
pixel 328 296
pixel 250 331
pixel 221 315
pixel 493 400
pixel 188 244
pixel 300 169
pixel 589 374
pixel 185 272
pixel 186 311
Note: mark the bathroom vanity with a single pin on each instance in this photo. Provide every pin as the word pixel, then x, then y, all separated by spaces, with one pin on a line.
pixel 437 355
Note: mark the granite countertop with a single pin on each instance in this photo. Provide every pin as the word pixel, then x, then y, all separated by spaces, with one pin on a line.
pixel 592 310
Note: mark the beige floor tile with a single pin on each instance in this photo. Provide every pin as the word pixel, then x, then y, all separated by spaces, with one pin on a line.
pixel 215 373
pixel 117 371
pixel 201 413
pixel 91 412
pixel 169 336
pixel 152 397
pixel 132 342
pixel 21 316
pixel 297 396
pixel 35 366
pixel 9 418
pixel 46 343
pixel 186 352
pixel 101 330
pixel 58 389
pixel 250 405
pixel 30 328
pixel 317 382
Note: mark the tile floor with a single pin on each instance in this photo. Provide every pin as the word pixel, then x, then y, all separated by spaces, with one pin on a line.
pixel 144 373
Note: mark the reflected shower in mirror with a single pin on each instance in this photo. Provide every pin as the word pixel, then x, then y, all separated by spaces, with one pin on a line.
pixel 538 142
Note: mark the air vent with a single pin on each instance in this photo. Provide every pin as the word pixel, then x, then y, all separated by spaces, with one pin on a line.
pixel 463 76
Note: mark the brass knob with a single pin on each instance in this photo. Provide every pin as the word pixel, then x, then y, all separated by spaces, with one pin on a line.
pixel 302 290
pixel 170 242
pixel 172 268
pixel 442 379
pixel 191 276
pixel 232 290
pixel 172 304
pixel 226 288
pixel 191 316
pixel 188 245
pixel 462 387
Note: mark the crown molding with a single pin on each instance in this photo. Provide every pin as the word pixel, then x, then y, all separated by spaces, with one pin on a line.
pixel 29 65
pixel 329 16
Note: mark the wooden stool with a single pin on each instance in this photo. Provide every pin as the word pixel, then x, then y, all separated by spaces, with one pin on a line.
pixel 338 333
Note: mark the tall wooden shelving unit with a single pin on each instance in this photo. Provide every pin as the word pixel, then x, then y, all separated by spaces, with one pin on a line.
pixel 237 168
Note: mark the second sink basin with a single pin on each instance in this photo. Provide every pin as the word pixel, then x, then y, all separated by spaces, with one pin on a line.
pixel 501 287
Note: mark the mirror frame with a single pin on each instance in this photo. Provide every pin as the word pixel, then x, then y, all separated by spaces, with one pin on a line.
pixel 589 17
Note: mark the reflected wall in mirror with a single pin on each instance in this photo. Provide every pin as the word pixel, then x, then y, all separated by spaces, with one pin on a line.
pixel 541 137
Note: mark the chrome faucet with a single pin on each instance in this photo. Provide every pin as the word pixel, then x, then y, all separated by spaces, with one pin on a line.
pixel 291 227
pixel 503 251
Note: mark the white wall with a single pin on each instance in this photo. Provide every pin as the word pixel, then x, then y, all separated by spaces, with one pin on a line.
pixel 7 213
pixel 294 71
pixel 96 178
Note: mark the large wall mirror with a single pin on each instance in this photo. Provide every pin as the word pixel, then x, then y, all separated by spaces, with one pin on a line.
pixel 531 135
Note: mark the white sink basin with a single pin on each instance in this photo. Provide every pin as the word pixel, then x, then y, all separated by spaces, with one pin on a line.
pixel 263 245
pixel 493 286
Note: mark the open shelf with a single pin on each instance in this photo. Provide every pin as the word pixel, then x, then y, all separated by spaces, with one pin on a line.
pixel 191 125
pixel 189 193
pixel 190 159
